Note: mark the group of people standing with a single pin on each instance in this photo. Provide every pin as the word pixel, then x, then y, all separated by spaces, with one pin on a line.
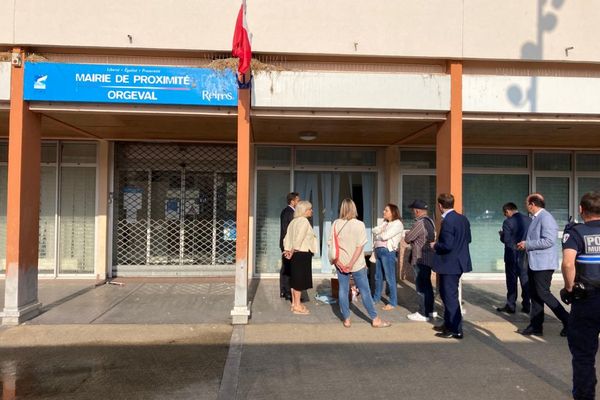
pixel 531 257
pixel 348 236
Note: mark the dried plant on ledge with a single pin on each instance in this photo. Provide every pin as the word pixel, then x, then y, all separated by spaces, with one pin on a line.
pixel 232 64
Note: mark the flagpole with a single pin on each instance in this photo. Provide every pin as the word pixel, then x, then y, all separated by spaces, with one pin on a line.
pixel 241 49
pixel 241 310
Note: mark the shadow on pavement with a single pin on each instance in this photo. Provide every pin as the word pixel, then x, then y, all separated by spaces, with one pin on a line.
pixel 169 371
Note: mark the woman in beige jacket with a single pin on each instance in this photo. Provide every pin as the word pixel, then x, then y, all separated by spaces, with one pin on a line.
pixel 352 237
pixel 299 245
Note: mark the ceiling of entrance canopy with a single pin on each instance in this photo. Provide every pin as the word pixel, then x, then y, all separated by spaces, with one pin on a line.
pixel 351 130
pixel 527 134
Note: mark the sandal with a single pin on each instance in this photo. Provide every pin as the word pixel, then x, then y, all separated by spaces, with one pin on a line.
pixel 347 323
pixel 382 324
pixel 300 311
pixel 388 307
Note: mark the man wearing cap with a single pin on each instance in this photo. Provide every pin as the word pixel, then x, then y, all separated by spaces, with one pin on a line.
pixel 421 258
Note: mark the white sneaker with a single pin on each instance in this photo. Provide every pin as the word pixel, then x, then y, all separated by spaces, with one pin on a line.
pixel 417 317
pixel 433 315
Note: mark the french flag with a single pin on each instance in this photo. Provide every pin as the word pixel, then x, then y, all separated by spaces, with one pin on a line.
pixel 241 41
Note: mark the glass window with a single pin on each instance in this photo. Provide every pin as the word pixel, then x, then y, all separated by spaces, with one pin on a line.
pixel 552 161
pixel 46 248
pixel 421 187
pixel 336 158
pixel 49 153
pixel 494 160
pixel 483 197
pixel 47 239
pixel 271 190
pixel 556 197
pixel 417 159
pixel 77 220
pixel 588 162
pixel 273 156
pixel 4 152
pixel 585 185
pixel 79 153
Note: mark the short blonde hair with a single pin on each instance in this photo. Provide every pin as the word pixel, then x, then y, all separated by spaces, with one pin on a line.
pixel 301 208
pixel 348 209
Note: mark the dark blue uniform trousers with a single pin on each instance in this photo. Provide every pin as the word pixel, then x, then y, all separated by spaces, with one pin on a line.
pixel 584 328
pixel 515 271
pixel 449 295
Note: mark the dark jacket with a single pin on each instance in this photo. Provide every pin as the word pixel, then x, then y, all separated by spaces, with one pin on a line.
pixel 514 230
pixel 452 247
pixel 287 215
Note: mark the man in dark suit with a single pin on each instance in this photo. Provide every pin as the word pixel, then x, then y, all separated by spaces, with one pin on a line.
pixel 287 215
pixel 513 231
pixel 452 260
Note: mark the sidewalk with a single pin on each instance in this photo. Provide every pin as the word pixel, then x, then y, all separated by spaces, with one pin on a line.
pixel 154 340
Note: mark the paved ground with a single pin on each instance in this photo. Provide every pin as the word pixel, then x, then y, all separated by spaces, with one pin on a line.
pixel 173 340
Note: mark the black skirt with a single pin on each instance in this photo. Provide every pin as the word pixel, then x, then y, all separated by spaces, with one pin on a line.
pixel 301 270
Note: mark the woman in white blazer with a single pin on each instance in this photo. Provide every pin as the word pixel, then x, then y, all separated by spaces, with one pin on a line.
pixel 387 239
pixel 299 245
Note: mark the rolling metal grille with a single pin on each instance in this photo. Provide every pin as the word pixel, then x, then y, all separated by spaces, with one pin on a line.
pixel 174 208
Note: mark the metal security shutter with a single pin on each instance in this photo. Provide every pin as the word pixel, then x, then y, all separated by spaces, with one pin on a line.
pixel 174 208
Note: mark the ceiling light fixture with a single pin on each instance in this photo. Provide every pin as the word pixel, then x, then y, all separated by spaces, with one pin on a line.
pixel 307 135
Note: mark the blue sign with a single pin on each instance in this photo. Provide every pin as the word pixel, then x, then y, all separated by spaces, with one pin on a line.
pixel 139 84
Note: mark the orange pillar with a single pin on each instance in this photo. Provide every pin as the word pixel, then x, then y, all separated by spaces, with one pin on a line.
pixel 449 142
pixel 23 205
pixel 241 312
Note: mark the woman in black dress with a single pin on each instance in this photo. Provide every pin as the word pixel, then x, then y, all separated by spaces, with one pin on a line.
pixel 299 244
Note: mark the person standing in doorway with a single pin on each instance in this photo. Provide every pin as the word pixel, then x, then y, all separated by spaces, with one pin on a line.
pixel 541 243
pixel 513 231
pixel 453 259
pixel 287 215
pixel 387 238
pixel 420 237
pixel 299 245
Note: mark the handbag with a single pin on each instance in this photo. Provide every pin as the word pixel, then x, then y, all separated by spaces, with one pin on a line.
pixel 334 250
pixel 373 258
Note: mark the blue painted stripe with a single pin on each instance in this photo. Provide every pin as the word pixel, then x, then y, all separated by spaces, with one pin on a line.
pixel 588 260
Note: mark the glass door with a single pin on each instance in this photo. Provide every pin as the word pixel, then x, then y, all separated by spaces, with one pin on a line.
pixel 325 190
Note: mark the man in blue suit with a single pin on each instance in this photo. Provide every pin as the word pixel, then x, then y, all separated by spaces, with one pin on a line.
pixel 541 245
pixel 513 231
pixel 452 260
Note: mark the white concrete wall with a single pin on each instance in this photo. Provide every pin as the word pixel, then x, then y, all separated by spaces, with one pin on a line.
pixel 4 81
pixel 531 30
pixel 351 90
pixel 7 11
pixel 538 94
pixel 480 29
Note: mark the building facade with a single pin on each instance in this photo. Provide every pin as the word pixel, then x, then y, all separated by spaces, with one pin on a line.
pixel 152 163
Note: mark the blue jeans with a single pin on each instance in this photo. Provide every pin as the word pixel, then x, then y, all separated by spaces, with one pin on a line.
pixel 386 267
pixel 361 279
pixel 424 288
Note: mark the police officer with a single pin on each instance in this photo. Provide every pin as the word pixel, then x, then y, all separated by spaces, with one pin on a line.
pixel 581 272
